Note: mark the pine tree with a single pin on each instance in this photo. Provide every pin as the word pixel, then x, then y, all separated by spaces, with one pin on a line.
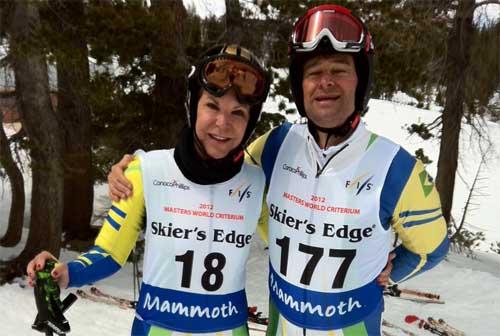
pixel 32 89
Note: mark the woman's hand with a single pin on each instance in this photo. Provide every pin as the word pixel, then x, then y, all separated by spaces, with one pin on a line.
pixel 119 187
pixel 59 273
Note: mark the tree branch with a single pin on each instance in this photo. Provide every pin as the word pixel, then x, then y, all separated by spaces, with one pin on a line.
pixel 470 197
pixel 435 123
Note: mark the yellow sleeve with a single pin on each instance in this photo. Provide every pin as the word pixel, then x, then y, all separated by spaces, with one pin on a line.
pixel 253 155
pixel 417 218
pixel 121 228
pixel 418 221
pixel 263 223
pixel 254 151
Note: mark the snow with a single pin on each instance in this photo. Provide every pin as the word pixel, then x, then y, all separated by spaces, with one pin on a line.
pixel 487 14
pixel 468 286
pixel 206 8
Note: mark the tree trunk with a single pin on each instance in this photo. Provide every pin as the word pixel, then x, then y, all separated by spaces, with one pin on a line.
pixel 169 58
pixel 74 114
pixel 234 23
pixel 16 215
pixel 32 89
pixel 457 62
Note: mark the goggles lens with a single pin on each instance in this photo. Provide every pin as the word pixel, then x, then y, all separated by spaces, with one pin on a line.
pixel 341 24
pixel 220 75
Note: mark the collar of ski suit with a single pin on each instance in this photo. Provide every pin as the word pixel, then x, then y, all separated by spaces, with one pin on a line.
pixel 340 155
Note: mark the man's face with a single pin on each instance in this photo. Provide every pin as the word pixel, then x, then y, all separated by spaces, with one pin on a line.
pixel 329 87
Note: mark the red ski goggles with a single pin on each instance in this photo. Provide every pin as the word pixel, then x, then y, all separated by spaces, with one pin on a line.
pixel 221 74
pixel 345 31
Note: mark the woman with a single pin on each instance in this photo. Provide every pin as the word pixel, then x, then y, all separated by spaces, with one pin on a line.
pixel 201 203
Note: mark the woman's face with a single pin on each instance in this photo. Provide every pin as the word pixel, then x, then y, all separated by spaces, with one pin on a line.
pixel 221 123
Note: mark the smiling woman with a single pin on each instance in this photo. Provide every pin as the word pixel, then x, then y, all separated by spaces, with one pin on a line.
pixel 221 124
pixel 201 203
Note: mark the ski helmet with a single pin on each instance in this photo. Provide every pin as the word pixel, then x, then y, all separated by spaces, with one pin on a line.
pixel 326 29
pixel 226 67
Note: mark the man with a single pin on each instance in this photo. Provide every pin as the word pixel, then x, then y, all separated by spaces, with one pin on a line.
pixel 336 191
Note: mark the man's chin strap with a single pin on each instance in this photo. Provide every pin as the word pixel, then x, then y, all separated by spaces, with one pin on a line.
pixel 340 131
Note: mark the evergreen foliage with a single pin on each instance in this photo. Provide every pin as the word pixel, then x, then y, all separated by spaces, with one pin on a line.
pixel 408 35
pixel 140 55
pixel 484 74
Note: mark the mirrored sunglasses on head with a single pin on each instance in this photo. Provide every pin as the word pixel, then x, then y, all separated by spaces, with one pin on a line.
pixel 222 74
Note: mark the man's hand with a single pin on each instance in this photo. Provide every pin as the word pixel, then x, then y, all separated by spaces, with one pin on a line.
pixel 119 187
pixel 59 273
pixel 383 277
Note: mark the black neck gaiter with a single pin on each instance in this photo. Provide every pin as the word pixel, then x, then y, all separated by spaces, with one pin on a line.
pixel 205 171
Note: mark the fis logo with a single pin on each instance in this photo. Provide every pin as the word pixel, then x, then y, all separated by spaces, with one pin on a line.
pixel 297 171
pixel 359 184
pixel 241 192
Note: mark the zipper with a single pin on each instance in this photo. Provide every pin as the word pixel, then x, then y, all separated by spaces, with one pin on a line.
pixel 319 170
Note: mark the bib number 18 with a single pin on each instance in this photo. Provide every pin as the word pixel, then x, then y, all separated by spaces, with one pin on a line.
pixel 212 278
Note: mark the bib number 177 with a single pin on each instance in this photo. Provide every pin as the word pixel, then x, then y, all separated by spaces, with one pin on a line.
pixel 316 255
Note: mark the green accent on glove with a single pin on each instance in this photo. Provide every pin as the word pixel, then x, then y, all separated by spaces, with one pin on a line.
pixel 49 286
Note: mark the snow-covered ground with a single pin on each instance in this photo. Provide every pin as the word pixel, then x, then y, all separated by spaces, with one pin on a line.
pixel 470 287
